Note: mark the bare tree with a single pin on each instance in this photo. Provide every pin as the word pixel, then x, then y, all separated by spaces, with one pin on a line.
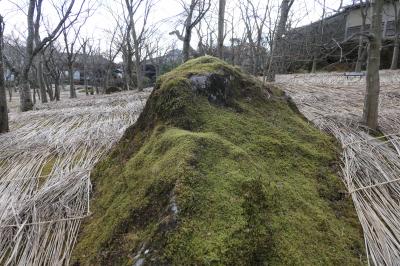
pixel 158 54
pixel 194 13
pixel 39 63
pixel 71 36
pixel 85 51
pixel 281 28
pixel 71 53
pixel 113 49
pixel 364 6
pixel 255 18
pixel 318 38
pixel 221 23
pixel 3 97
pixel 396 41
pixel 33 49
pixel 138 33
pixel 371 103
pixel 53 65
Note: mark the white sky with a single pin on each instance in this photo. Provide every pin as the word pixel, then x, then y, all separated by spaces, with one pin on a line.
pixel 164 14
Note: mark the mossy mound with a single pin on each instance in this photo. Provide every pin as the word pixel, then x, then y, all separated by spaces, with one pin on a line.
pixel 220 171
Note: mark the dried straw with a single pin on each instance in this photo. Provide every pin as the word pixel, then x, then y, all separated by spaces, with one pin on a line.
pixel 40 214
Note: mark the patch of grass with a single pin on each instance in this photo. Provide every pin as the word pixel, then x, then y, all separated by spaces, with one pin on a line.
pixel 46 170
pixel 253 182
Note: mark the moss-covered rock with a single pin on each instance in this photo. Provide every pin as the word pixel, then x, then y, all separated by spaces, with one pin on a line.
pixel 219 170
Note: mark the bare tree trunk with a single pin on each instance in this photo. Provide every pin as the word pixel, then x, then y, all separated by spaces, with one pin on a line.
pixel 129 50
pixel 49 88
pixel 221 22
pixel 359 55
pixel 40 79
pixel 25 91
pixel 57 89
pixel 72 92
pixel 371 103
pixel 361 48
pixel 314 64
pixel 25 94
pixel 139 81
pixel 3 97
pixel 107 85
pixel 232 48
pixel 186 42
pixel 10 94
pixel 275 51
pixel 395 57
pixel 396 42
pixel 85 81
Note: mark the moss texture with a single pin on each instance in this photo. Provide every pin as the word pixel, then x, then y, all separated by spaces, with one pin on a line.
pixel 247 182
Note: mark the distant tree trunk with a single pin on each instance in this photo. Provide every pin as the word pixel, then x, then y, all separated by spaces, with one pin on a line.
pixel 108 74
pixel 63 79
pixel 34 95
pixel 359 55
pixel 188 37
pixel 221 22
pixel 396 42
pixel 233 50
pixel 139 79
pixel 85 81
pixel 72 91
pixel 25 90
pixel 395 58
pixel 371 103
pixel 361 48
pixel 40 79
pixel 3 96
pixel 49 89
pixel 314 64
pixel 57 89
pixel 128 51
pixel 10 94
pixel 275 50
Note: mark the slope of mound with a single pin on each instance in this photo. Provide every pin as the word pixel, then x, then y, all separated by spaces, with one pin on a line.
pixel 219 170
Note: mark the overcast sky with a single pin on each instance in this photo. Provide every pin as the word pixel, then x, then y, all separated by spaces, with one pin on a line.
pixel 164 13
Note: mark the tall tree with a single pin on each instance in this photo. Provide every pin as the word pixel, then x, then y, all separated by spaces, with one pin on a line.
pixel 53 65
pixel 71 53
pixel 32 49
pixel 221 23
pixel 273 67
pixel 138 33
pixel 255 19
pixel 3 97
pixel 371 103
pixel 396 41
pixel 194 13
pixel 71 36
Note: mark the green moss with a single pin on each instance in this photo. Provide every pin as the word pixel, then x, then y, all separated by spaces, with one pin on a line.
pixel 253 182
pixel 46 170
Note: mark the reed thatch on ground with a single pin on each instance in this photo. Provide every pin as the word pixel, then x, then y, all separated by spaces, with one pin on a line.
pixel 45 164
